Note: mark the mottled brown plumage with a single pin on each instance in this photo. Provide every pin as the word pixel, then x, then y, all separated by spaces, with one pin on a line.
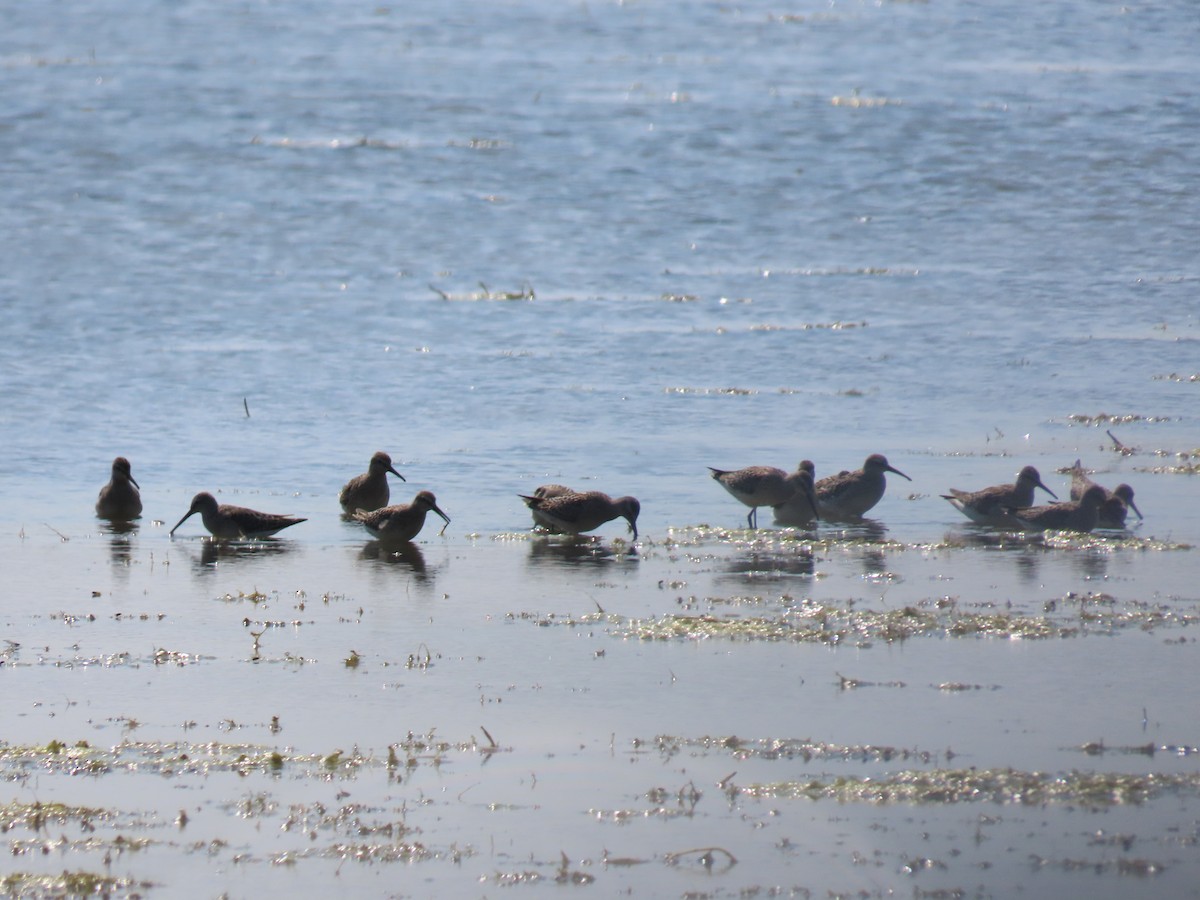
pixel 1077 515
pixel 577 512
pixel 403 522
pixel 757 486
pixel 370 490
pixel 848 495
pixel 1117 502
pixel 225 521
pixel 989 505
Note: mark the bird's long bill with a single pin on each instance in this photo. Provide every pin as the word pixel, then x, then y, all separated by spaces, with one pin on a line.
pixel 633 529
pixel 898 472
pixel 1133 506
pixel 134 481
pixel 1047 490
pixel 445 518
pixel 397 474
pixel 180 522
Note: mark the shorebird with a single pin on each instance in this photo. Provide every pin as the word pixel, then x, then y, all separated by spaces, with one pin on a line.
pixel 801 509
pixel 848 495
pixel 1117 502
pixel 225 521
pixel 120 499
pixel 545 492
pixel 403 522
pixel 989 505
pixel 1077 515
pixel 758 486
pixel 577 512
pixel 370 490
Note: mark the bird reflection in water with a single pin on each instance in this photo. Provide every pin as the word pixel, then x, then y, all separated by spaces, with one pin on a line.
pixel 580 549
pixel 402 554
pixel 213 552
pixel 760 565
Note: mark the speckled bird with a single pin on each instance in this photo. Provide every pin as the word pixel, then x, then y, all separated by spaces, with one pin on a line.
pixel 581 511
pixel 230 522
pixel 403 522
pixel 1117 502
pixel 989 505
pixel 848 495
pixel 370 490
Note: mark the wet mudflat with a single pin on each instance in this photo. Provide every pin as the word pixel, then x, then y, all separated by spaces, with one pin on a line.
pixel 712 713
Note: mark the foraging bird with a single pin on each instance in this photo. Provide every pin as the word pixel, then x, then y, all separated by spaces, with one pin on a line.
pixel 988 505
pixel 577 512
pixel 403 522
pixel 801 509
pixel 1077 515
pixel 848 495
pixel 121 498
pixel 225 521
pixel 757 486
pixel 370 490
pixel 544 492
pixel 1117 502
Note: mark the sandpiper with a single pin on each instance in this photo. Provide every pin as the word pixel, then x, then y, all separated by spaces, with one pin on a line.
pixel 544 492
pixel 989 505
pixel 403 522
pixel 578 512
pixel 225 521
pixel 120 499
pixel 1117 502
pixel 370 490
pixel 848 495
pixel 757 486
pixel 1077 515
pixel 801 509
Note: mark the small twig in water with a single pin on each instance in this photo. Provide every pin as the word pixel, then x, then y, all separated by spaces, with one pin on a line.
pixel 491 740
pixel 246 406
pixel 61 536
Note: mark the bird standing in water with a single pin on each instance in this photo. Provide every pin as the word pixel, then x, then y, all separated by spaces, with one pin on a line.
pixel 121 499
pixel 848 495
pixel 403 522
pixel 370 490
pixel 989 505
pixel 577 512
pixel 226 522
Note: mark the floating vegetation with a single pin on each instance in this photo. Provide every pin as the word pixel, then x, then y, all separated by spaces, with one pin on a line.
pixel 810 621
pixel 329 143
pixel 1093 790
pixel 1109 419
pixel 69 884
pixel 727 391
pixel 782 748
pixel 1175 376
pixel 1099 748
pixel 180 758
pixel 854 101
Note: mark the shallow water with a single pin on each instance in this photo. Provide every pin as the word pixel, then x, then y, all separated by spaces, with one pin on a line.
pixel 607 245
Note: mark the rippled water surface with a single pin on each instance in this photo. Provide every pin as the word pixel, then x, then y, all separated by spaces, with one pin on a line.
pixel 606 244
